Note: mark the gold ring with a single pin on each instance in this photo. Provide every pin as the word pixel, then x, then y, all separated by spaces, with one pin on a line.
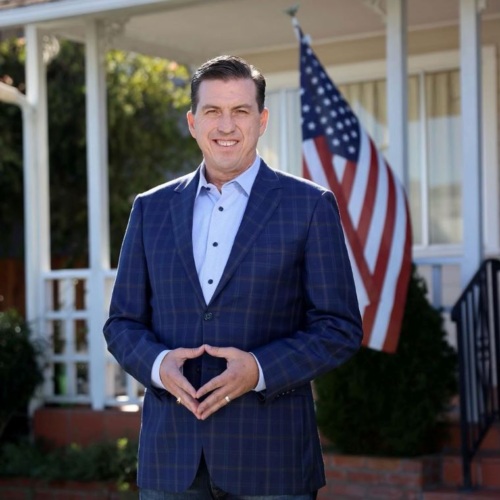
pixel 178 400
pixel 227 399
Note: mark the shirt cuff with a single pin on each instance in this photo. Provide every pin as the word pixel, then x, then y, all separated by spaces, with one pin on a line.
pixel 155 371
pixel 261 384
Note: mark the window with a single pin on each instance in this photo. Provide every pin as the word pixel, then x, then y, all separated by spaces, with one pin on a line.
pixel 434 155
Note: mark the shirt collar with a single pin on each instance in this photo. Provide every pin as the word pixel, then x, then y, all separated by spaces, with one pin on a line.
pixel 245 180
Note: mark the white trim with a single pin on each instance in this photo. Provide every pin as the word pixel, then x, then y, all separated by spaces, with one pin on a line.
pixel 397 89
pixel 53 11
pixel 372 70
pixel 97 185
pixel 491 182
pixel 471 147
pixel 424 131
pixel 36 179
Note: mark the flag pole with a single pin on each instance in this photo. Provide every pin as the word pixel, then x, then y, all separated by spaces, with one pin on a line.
pixel 292 11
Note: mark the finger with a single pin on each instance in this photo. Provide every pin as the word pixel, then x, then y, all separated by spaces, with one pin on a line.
pixel 175 382
pixel 181 385
pixel 171 369
pixel 219 352
pixel 225 385
pixel 189 403
pixel 213 384
pixel 240 377
pixel 182 353
pixel 209 407
pixel 194 352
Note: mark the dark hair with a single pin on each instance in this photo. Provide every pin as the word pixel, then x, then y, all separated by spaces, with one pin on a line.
pixel 228 68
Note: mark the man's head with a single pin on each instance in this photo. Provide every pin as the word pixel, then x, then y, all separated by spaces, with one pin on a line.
pixel 227 116
pixel 228 68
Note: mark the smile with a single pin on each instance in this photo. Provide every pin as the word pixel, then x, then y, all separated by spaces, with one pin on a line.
pixel 226 143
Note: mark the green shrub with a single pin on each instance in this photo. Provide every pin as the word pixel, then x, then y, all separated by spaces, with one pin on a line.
pixel 393 404
pixel 107 461
pixel 20 372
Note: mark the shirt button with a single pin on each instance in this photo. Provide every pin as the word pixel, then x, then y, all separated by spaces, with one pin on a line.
pixel 215 244
pixel 221 209
pixel 208 316
pixel 210 282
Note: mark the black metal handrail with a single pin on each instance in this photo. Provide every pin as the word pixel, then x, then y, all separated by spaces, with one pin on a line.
pixel 477 317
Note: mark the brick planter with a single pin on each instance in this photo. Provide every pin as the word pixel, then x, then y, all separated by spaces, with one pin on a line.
pixel 348 477
pixel 83 426
pixel 384 478
pixel 21 489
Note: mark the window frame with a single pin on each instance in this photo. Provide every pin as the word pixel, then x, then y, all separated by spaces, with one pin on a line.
pixel 425 63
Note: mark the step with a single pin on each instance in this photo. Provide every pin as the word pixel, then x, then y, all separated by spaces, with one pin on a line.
pixel 485 470
pixel 491 441
pixel 458 494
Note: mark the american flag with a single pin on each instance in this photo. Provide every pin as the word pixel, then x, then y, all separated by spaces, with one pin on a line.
pixel 339 154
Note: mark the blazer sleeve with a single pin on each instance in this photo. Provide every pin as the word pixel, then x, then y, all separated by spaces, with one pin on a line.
pixel 332 330
pixel 127 331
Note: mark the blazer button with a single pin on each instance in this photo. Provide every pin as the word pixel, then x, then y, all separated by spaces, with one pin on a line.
pixel 208 316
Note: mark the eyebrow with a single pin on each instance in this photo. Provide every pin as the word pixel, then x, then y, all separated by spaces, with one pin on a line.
pixel 214 106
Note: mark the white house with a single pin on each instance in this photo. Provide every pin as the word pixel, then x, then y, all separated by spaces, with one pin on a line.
pixel 422 75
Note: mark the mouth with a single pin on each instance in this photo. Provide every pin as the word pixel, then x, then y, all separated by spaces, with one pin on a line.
pixel 226 144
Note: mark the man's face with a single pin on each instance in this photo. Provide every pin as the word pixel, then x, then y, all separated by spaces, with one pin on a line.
pixel 227 125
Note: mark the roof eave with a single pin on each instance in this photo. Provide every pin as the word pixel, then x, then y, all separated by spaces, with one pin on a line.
pixel 53 11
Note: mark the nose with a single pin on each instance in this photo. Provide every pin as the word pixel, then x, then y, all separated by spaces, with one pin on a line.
pixel 226 123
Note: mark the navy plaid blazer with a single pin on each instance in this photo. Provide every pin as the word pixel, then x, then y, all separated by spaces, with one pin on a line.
pixel 287 295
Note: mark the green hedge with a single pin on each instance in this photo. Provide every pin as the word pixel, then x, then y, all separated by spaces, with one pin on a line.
pixel 106 461
pixel 393 404
pixel 20 371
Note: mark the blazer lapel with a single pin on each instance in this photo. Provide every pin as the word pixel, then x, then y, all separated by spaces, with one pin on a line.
pixel 181 210
pixel 264 198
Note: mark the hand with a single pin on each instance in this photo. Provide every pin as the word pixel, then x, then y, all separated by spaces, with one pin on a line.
pixel 174 381
pixel 240 377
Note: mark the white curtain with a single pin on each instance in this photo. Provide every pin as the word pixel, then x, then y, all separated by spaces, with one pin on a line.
pixel 434 138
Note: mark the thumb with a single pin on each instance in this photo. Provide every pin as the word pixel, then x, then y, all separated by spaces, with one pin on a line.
pixel 218 352
pixel 194 352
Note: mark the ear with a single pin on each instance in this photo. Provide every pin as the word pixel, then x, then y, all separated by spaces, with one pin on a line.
pixel 264 116
pixel 191 120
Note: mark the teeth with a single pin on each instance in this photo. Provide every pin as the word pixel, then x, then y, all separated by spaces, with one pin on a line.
pixel 226 143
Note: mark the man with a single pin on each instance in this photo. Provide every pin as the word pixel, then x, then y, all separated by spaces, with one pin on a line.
pixel 233 291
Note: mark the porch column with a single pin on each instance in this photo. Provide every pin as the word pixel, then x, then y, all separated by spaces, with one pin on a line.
pixel 36 180
pixel 397 88
pixel 470 83
pixel 97 177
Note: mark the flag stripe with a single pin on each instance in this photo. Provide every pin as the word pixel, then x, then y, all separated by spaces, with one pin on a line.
pixel 348 176
pixel 389 276
pixel 379 216
pixel 392 335
pixel 369 200
pixel 316 154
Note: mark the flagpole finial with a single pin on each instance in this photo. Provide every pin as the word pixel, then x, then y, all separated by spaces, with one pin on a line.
pixel 291 11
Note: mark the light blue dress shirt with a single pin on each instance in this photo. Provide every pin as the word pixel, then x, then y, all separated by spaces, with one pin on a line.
pixel 216 219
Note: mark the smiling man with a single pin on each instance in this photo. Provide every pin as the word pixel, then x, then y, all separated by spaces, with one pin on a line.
pixel 233 292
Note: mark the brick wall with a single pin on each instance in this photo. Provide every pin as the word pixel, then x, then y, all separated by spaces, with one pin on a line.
pixel 384 478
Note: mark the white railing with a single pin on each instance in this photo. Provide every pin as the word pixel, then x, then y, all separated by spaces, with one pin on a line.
pixel 66 320
pixel 442 276
pixel 66 331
